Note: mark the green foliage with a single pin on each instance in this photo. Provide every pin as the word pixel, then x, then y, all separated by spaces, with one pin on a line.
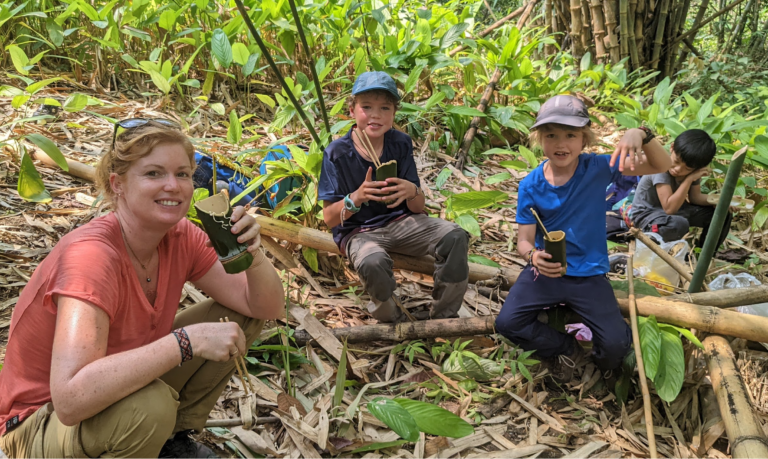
pixel 409 417
pixel 663 357
pixel 395 417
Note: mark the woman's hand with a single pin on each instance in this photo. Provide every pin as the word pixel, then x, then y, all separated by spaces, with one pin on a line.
pixel 216 341
pixel 538 260
pixel 242 222
pixel 401 190
pixel 370 190
pixel 630 146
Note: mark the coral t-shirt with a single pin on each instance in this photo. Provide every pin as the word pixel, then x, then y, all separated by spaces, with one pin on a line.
pixel 91 264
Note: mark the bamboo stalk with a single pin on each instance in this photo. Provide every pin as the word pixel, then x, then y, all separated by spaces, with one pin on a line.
pixel 491 28
pixel 548 48
pixel 624 26
pixel 739 26
pixel 632 42
pixel 273 66
pixel 743 428
pixel 639 30
pixel 610 23
pixel 704 318
pixel 576 43
pixel 312 68
pixel 639 355
pixel 694 30
pixel 599 29
pixel 663 10
pixel 718 219
pixel 586 30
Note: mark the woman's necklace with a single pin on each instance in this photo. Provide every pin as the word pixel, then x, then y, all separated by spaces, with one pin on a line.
pixel 125 239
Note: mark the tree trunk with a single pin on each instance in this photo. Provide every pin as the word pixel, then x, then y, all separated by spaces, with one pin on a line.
pixel 548 17
pixel 624 25
pixel 632 42
pixel 699 17
pixel 721 26
pixel 576 44
pixel 585 27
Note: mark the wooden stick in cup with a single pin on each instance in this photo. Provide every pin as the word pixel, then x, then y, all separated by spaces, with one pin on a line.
pixel 541 225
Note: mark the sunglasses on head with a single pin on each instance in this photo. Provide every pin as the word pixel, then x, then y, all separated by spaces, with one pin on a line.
pixel 133 123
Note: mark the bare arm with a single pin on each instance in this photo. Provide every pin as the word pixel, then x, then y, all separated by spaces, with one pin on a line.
pixel 85 381
pixel 257 292
pixel 695 196
pixel 630 145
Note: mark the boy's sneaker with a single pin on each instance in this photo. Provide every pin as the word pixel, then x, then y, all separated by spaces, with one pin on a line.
pixel 182 445
pixel 562 367
pixel 618 263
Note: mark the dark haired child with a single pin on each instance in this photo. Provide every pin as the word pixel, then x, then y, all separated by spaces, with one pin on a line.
pixel 568 193
pixel 671 202
pixel 373 218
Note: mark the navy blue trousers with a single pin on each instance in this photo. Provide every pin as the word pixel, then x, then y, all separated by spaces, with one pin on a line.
pixel 590 297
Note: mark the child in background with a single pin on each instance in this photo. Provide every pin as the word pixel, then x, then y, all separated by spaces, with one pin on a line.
pixel 670 202
pixel 568 193
pixel 366 227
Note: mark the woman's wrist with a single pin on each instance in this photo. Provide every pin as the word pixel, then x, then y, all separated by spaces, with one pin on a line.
pixel 258 259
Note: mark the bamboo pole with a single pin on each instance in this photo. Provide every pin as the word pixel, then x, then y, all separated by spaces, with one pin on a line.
pixel 599 29
pixel 742 427
pixel 548 48
pixel 705 318
pixel 663 10
pixel 576 43
pixel 718 219
pixel 739 27
pixel 639 30
pixel 273 66
pixel 610 22
pixel 312 68
pixel 705 22
pixel 491 28
pixel 586 30
pixel 632 42
pixel 624 27
pixel 639 355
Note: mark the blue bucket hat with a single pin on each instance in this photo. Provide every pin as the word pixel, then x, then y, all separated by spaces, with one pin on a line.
pixel 369 81
pixel 565 110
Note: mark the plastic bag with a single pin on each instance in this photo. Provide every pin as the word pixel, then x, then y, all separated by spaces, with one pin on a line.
pixel 728 281
pixel 655 270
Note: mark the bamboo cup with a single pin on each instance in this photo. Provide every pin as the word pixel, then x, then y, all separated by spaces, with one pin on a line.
pixel 215 214
pixel 555 246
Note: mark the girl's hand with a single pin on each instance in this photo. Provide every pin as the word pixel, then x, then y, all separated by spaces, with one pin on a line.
pixel 401 190
pixel 538 260
pixel 241 221
pixel 630 146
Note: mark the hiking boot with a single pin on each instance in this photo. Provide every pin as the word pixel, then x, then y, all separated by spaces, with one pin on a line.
pixel 561 368
pixel 182 445
pixel 618 263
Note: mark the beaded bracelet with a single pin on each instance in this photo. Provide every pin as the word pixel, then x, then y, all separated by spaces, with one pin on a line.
pixel 185 346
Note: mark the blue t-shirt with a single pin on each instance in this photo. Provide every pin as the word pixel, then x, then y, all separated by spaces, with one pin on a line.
pixel 577 208
pixel 344 170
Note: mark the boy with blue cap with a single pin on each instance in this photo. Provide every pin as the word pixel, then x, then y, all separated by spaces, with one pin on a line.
pixel 373 218
pixel 568 193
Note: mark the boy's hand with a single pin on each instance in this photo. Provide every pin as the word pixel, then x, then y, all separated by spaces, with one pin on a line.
pixel 539 262
pixel 370 190
pixel 630 145
pixel 698 174
pixel 401 190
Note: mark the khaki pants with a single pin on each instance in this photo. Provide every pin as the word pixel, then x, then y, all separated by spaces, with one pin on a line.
pixel 139 424
pixel 416 235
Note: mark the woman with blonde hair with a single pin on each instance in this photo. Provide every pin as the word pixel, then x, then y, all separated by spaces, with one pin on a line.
pixel 99 363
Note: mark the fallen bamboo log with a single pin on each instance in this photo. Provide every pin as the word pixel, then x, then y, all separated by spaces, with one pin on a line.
pixel 76 168
pixel 742 427
pixel 321 240
pixel 705 318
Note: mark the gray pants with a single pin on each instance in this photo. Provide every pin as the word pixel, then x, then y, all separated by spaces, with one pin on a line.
pixel 674 227
pixel 416 235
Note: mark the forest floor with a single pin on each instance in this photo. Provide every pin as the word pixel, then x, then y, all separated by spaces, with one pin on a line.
pixel 580 419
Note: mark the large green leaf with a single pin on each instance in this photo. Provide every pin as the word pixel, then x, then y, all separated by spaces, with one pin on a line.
pixel 462 110
pixel 395 417
pixel 473 200
pixel 34 87
pixel 460 367
pixel 221 48
pixel 19 59
pixel 469 224
pixel 76 102
pixel 761 145
pixel 434 420
pixel 30 186
pixel 529 157
pixel 50 149
pixel 684 331
pixel 160 81
pixel 641 288
pixel 372 446
pixel 669 379
pixel 481 260
pixel 235 130
pixel 650 343
pixel 240 53
pixel 624 383
pixel 453 34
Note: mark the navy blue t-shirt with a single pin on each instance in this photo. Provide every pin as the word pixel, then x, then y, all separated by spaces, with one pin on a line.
pixel 577 208
pixel 344 170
